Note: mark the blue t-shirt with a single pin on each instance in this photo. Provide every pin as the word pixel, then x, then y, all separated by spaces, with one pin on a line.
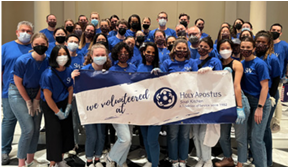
pixel 175 66
pixel 195 55
pixel 203 35
pixel 163 55
pixel 50 48
pixel 214 62
pixel 49 34
pixel 273 67
pixel 84 50
pixel 255 71
pixel 77 61
pixel 50 81
pixel 281 51
pixel 130 33
pixel 144 68
pixel 112 41
pixel 146 35
pixel 98 30
pixel 30 70
pixel 88 67
pixel 168 32
pixel 129 68
pixel 112 33
pixel 10 52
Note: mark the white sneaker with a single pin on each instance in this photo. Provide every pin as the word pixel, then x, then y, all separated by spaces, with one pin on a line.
pixel 91 165
pixel 200 163
pixel 181 164
pixel 34 163
pixel 109 163
pixel 98 164
pixel 175 164
pixel 208 164
pixel 148 164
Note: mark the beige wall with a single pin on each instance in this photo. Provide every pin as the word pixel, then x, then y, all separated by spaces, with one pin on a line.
pixel 214 13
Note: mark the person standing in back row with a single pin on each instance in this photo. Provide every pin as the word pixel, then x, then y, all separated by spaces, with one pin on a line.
pixel 52 22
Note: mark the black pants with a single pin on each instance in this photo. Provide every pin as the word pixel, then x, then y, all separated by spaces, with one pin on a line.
pixel 59 133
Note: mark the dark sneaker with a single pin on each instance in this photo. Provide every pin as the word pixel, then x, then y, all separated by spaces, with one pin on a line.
pixel 5 159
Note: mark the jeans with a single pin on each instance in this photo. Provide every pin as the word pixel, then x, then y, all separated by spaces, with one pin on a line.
pixel 268 135
pixel 202 151
pixel 95 140
pixel 178 142
pixel 8 126
pixel 240 134
pixel 76 120
pixel 150 138
pixel 120 150
pixel 30 126
pixel 256 131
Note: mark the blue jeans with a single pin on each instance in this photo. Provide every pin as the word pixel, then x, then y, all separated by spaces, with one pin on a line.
pixel 30 126
pixel 150 138
pixel 120 150
pixel 240 134
pixel 202 151
pixel 178 142
pixel 268 135
pixel 8 126
pixel 256 131
pixel 76 120
pixel 95 140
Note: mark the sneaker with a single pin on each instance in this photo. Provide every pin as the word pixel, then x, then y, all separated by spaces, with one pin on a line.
pixel 175 164
pixel 225 162
pixel 142 153
pixel 200 163
pixel 181 164
pixel 34 163
pixel 275 128
pixel 91 165
pixel 74 151
pixel 5 159
pixel 62 164
pixel 148 164
pixel 43 129
pixel 98 164
pixel 208 164
pixel 109 163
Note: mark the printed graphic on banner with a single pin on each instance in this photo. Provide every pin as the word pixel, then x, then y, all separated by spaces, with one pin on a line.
pixel 146 99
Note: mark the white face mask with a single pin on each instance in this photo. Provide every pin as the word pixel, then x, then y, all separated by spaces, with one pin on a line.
pixel 62 60
pixel 100 60
pixel 24 37
pixel 162 22
pixel 225 54
pixel 72 46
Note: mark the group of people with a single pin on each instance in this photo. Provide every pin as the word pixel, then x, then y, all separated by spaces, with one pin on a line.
pixel 38 70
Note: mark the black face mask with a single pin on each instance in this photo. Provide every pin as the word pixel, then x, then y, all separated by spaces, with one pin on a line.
pixel 134 26
pixel 225 36
pixel 89 35
pixel 181 33
pixel 52 23
pixel 40 49
pixel 184 23
pixel 170 47
pixel 122 31
pixel 146 26
pixel 238 26
pixel 275 35
pixel 261 49
pixel 140 39
pixel 69 28
pixel 78 33
pixel 60 39
pixel 104 30
pixel 194 40
pixel 201 28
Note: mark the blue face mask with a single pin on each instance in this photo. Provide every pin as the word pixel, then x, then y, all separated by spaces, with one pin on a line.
pixel 94 22
pixel 100 60
pixel 243 29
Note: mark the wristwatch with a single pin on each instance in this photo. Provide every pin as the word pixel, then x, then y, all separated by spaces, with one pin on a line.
pixel 260 106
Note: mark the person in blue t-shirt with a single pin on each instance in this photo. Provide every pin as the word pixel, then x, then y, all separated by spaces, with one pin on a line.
pixel 245 33
pixel 224 33
pixel 146 23
pixel 24 97
pixel 236 49
pixel 134 25
pixel 95 20
pixel 51 20
pixel 181 31
pixel 225 48
pixel 139 39
pixel 113 20
pixel 225 24
pixel 56 97
pixel 69 26
pixel 122 53
pixel 78 30
pixel 237 26
pixel 281 51
pixel 136 58
pixel 60 35
pixel 184 19
pixel 160 40
pixel 83 21
pixel 200 24
pixel 10 52
pixel 121 28
pixel 86 38
pixel 170 42
pixel 97 60
pixel 104 26
pixel 204 64
pixel 162 19
pixel 255 85
pixel 264 50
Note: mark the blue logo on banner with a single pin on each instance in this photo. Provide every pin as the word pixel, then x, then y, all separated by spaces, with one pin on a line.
pixel 165 98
